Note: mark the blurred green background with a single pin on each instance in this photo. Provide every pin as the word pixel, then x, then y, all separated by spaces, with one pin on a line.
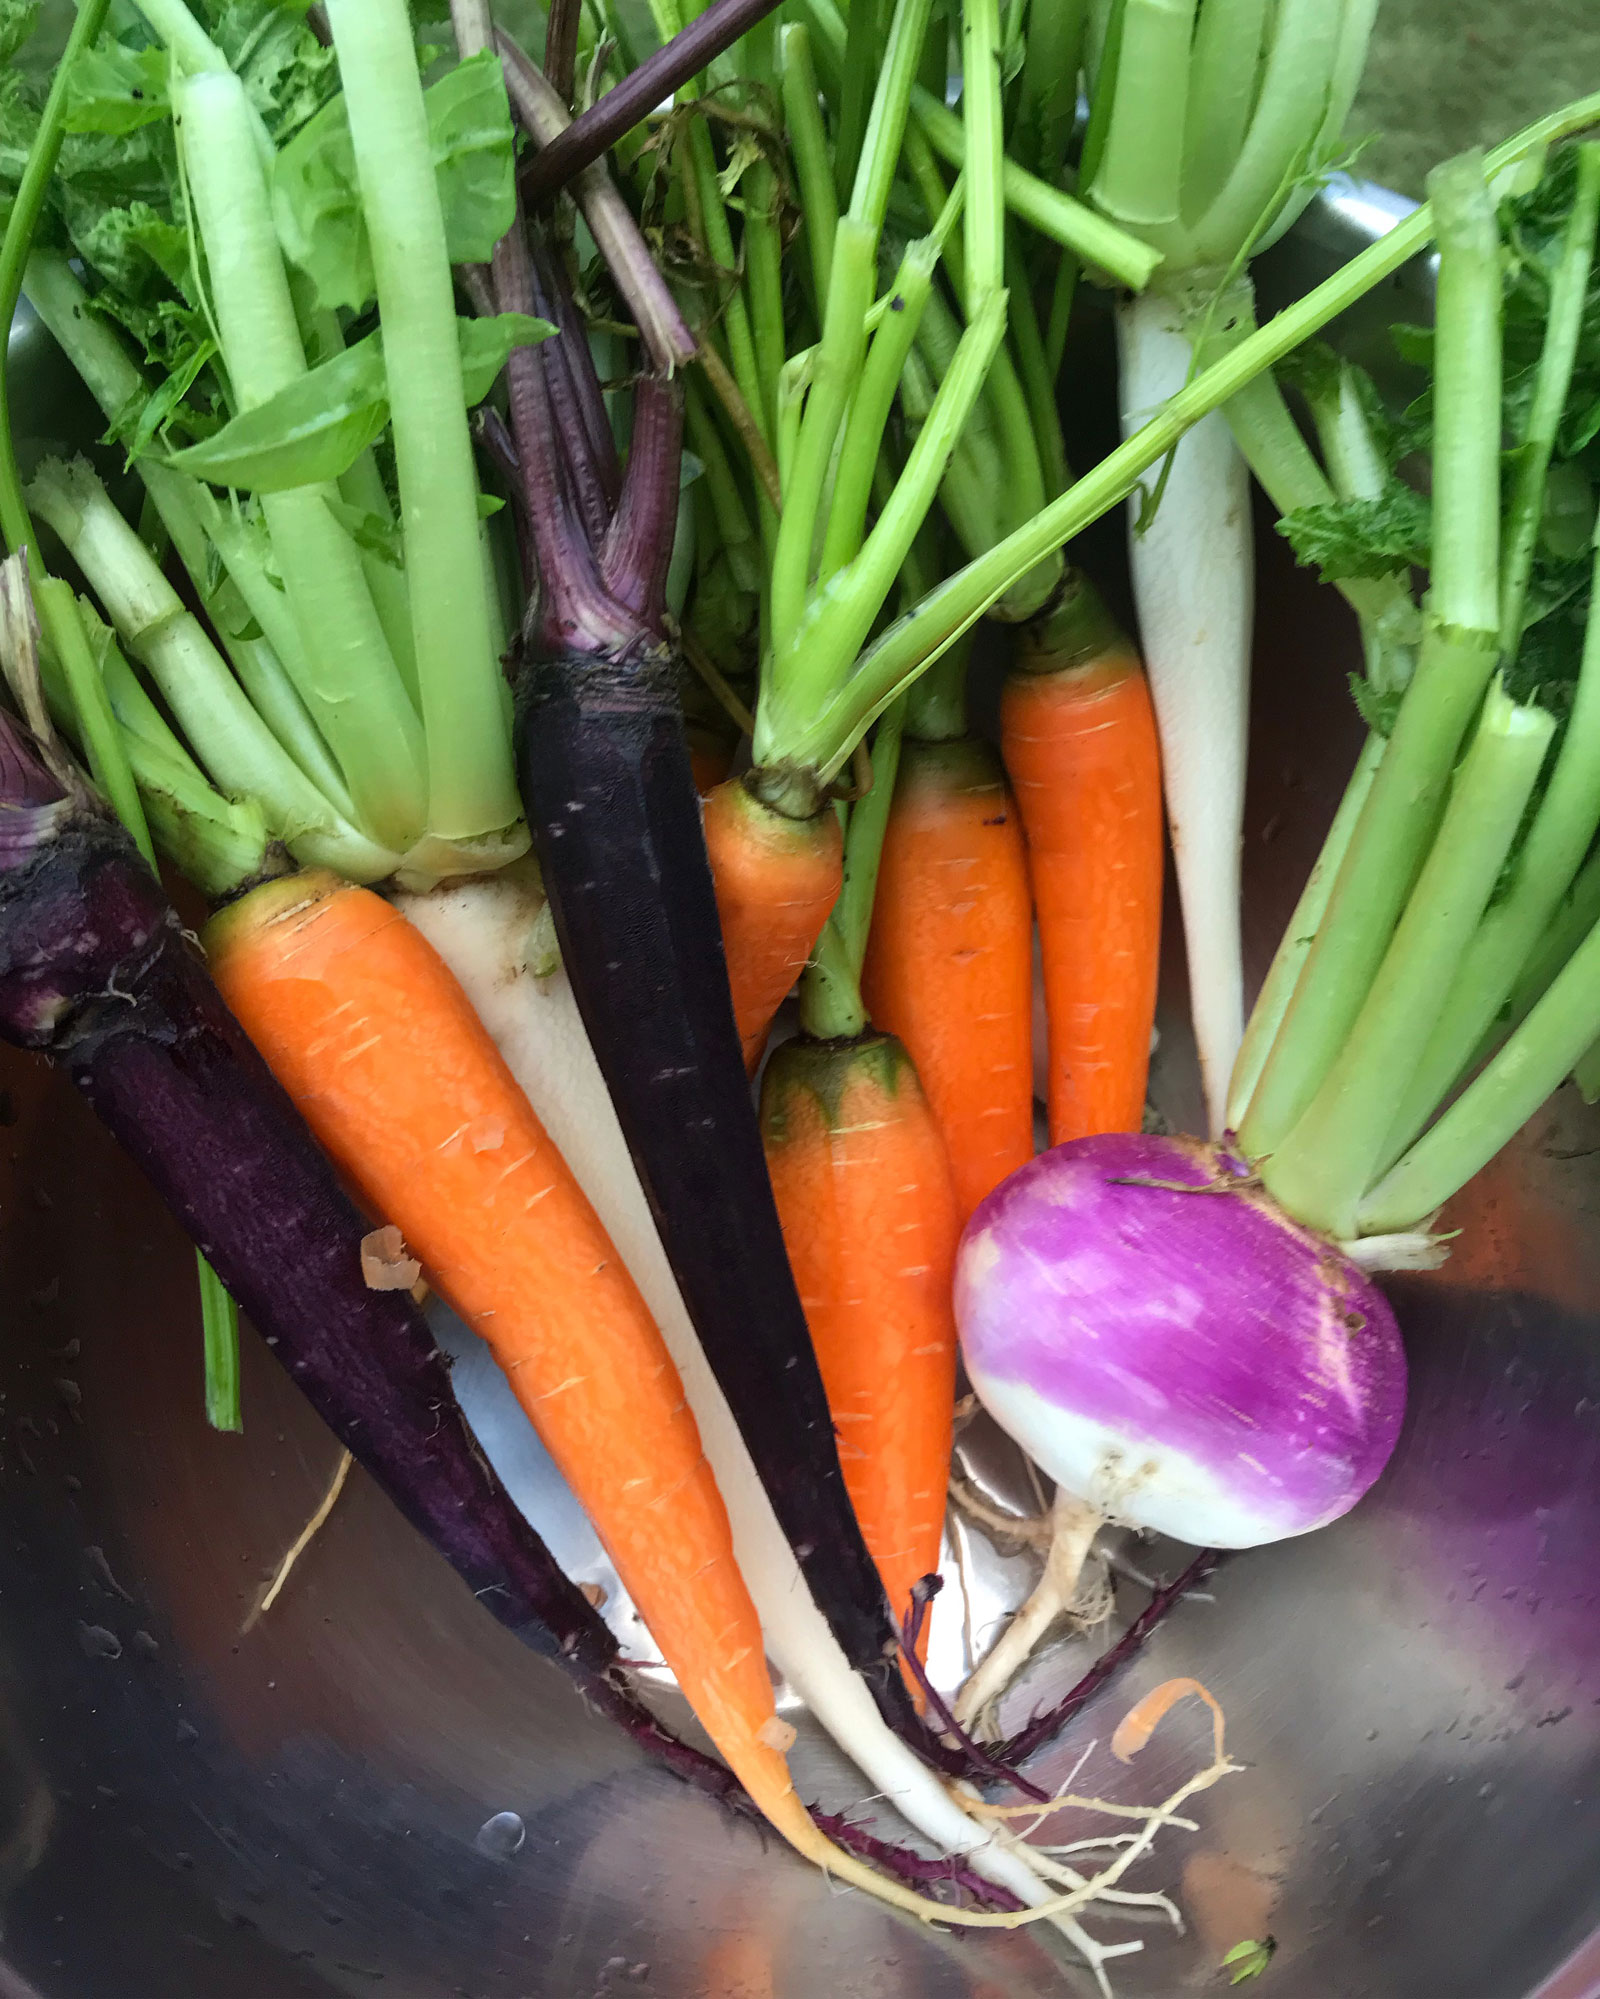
pixel 1443 74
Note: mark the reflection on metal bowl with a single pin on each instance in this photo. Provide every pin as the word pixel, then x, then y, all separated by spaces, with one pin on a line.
pixel 374 1790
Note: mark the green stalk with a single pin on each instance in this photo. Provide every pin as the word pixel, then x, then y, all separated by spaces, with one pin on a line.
pixel 1556 1035
pixel 835 370
pixel 863 62
pixel 60 623
pixel 1306 42
pixel 198 523
pixel 874 400
pixel 1327 1162
pixel 352 687
pixel 54 602
pixel 984 157
pixel 471 790
pixel 1047 209
pixel 825 737
pixel 1224 72
pixel 936 707
pixel 808 148
pixel 1568 297
pixel 1048 105
pixel 763 247
pixel 1038 380
pixel 362 487
pixel 806 674
pixel 1283 975
pixel 1459 646
pixel 240 753
pixel 1575 916
pixel 219 1318
pixel 1279 457
pixel 831 1007
pixel 880 149
pixel 1140 175
pixel 1563 828
pixel 722 488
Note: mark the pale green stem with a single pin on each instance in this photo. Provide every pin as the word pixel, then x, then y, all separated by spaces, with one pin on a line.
pixel 1139 180
pixel 984 160
pixel 874 399
pixel 1561 833
pixel 362 487
pixel 1569 295
pixel 1277 989
pixel 831 1006
pixel 838 621
pixel 1283 130
pixel 808 147
pixel 1325 1164
pixel 471 788
pixel 1223 77
pixel 239 752
pixel 1556 1035
pixel 880 150
pixel 835 370
pixel 351 688
pixel 825 737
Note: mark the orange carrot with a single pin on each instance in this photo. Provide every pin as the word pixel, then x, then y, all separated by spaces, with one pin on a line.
pixel 870 1223
pixel 359 1018
pixel 949 966
pixel 776 880
pixel 365 1026
pixel 1079 739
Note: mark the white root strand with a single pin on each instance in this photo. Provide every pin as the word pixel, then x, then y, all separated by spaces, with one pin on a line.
pixel 1073 1527
pixel 1194 588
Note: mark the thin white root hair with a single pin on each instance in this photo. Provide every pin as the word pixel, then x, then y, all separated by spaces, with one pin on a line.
pixel 1072 1528
pixel 302 1541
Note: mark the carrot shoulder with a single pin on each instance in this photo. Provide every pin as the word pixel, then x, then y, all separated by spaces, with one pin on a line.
pixel 949 964
pixel 776 880
pixel 870 1223
pixel 1079 741
pixel 360 1019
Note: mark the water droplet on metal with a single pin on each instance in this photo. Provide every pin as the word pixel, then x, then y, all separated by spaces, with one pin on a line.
pixel 501 1835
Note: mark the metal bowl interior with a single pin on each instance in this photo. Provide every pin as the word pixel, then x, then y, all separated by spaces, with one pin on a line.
pixel 372 1789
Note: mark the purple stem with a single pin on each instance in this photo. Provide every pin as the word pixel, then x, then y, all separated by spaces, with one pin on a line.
pixel 1039 1731
pixel 561 47
pixel 638 550
pixel 589 451
pixel 576 612
pixel 912 1868
pixel 542 115
pixel 500 448
pixel 982 1763
pixel 653 83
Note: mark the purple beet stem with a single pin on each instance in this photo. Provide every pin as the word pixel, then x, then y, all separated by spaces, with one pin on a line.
pixel 1040 1730
pixel 96 972
pixel 639 93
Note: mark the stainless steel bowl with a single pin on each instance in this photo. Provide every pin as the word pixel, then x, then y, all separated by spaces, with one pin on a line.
pixel 373 1790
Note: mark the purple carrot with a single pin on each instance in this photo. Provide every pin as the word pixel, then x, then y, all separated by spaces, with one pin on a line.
pixel 630 102
pixel 1043 1727
pixel 912 1868
pixel 97 972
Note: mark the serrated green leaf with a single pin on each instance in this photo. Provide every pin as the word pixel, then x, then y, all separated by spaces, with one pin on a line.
pixel 317 204
pixel 287 73
pixel 314 430
pixel 18 19
pixel 116 89
pixel 1362 538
